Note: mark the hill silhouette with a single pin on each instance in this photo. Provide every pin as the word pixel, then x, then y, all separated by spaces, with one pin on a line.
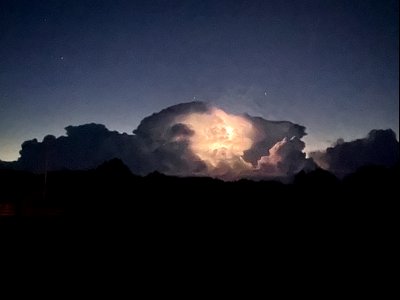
pixel 112 190
pixel 317 222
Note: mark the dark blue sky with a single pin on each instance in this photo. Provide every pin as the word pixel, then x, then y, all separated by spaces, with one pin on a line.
pixel 331 66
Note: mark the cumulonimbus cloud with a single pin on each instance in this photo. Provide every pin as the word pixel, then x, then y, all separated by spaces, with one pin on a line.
pixel 379 147
pixel 189 139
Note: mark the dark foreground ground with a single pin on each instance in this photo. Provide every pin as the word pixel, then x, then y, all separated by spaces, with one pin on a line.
pixel 111 191
pixel 318 236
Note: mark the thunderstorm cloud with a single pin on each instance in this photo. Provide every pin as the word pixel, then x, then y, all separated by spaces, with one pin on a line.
pixel 379 148
pixel 196 139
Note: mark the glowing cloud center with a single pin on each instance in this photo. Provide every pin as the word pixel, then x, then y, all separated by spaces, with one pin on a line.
pixel 220 139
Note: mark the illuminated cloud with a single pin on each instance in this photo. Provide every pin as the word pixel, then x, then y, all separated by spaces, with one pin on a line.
pixel 285 158
pixel 194 139
pixel 189 139
pixel 219 139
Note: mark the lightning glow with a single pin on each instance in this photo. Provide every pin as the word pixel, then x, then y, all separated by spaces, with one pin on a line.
pixel 220 139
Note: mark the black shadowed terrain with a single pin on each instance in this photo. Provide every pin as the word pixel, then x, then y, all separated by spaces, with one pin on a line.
pixel 316 224
pixel 111 190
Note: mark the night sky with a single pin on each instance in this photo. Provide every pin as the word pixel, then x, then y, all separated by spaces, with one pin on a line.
pixel 331 66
